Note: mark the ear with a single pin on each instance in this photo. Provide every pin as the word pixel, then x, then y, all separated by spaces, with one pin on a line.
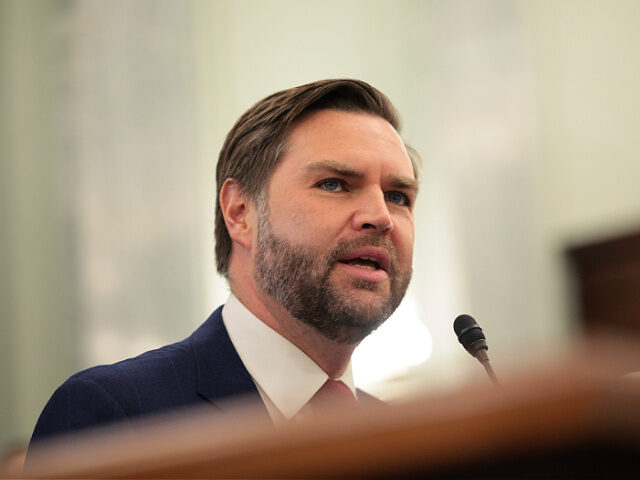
pixel 238 212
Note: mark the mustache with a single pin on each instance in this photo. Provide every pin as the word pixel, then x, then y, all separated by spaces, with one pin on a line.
pixel 346 246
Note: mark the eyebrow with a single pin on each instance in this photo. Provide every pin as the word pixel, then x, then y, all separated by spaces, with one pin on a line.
pixel 324 166
pixel 405 183
pixel 331 166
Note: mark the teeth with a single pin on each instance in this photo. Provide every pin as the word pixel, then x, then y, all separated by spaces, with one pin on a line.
pixel 374 260
pixel 365 267
pixel 368 263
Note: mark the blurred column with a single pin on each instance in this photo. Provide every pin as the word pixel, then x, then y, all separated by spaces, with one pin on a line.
pixel 38 283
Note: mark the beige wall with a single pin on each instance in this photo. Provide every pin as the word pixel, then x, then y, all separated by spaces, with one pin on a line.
pixel 588 73
pixel 588 147
pixel 38 316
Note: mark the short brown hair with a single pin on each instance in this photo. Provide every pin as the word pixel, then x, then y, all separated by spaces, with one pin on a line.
pixel 257 141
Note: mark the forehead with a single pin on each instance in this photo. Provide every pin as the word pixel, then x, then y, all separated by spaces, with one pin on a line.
pixel 348 137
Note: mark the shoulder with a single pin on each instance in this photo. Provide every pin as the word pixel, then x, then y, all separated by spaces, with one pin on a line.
pixel 77 404
pixel 110 393
pixel 136 381
pixel 156 381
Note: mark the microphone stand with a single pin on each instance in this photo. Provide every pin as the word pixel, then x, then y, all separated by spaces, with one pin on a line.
pixel 483 358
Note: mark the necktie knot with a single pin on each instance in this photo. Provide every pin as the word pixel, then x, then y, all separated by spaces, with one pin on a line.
pixel 333 394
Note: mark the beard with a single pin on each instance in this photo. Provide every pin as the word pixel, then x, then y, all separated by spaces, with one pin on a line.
pixel 299 278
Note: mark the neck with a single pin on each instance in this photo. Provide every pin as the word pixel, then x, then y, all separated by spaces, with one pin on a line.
pixel 332 357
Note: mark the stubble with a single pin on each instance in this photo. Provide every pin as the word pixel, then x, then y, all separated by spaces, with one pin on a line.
pixel 299 278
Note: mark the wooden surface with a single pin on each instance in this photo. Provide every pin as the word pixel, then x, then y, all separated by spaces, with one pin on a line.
pixel 562 408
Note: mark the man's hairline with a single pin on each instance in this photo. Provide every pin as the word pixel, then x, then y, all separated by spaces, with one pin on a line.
pixel 281 151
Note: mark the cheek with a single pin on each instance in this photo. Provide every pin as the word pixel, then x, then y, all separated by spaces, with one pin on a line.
pixel 306 210
pixel 404 243
pixel 298 219
pixel 314 226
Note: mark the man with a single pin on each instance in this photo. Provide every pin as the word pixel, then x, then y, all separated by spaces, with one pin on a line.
pixel 314 231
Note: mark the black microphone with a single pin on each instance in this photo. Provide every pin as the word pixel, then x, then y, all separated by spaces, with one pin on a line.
pixel 473 340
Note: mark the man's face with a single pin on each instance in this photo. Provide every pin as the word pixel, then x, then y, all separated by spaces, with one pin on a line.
pixel 335 240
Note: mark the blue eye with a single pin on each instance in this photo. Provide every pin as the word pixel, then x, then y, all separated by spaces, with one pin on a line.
pixel 331 185
pixel 398 198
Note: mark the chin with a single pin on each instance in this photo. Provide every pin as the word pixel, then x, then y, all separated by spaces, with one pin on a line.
pixel 367 303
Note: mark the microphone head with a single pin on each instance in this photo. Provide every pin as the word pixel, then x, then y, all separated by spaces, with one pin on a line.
pixel 470 334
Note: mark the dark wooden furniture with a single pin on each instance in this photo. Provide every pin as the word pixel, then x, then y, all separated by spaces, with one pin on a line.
pixel 607 277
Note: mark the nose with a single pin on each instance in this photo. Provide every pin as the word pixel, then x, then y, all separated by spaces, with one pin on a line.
pixel 372 213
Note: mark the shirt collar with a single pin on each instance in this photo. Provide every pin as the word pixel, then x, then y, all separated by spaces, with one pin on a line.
pixel 279 368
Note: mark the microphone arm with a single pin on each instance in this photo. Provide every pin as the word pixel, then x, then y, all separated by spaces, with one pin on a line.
pixel 473 340
pixel 483 358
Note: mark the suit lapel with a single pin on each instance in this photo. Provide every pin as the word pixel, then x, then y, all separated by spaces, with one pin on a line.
pixel 221 374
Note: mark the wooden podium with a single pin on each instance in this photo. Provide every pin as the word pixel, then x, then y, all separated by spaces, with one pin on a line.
pixel 576 418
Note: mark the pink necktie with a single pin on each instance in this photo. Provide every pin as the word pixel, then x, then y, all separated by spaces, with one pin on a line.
pixel 333 394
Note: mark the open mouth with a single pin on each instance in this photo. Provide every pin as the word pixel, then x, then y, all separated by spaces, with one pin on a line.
pixel 365 263
pixel 367 258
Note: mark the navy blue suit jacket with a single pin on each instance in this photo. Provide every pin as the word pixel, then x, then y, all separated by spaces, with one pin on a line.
pixel 204 367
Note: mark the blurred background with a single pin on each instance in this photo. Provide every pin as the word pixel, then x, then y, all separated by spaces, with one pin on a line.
pixel 112 113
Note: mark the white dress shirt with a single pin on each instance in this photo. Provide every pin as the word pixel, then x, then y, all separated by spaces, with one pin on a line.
pixel 285 376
